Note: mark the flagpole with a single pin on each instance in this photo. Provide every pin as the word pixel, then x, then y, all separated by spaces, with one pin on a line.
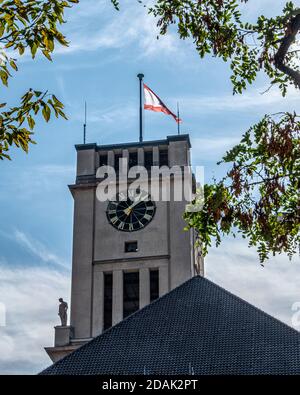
pixel 178 118
pixel 84 125
pixel 140 77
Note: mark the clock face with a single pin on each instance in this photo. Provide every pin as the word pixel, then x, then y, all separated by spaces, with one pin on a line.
pixel 131 213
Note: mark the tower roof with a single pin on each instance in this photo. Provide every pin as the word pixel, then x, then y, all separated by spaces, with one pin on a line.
pixel 181 137
pixel 197 328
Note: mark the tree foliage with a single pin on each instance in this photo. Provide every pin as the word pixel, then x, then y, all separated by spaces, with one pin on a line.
pixel 259 196
pixel 216 28
pixel 30 25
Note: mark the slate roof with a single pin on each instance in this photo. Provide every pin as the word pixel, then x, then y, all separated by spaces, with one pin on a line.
pixel 197 328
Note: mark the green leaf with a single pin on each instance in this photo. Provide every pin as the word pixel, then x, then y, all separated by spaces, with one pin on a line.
pixel 33 49
pixel 21 49
pixel 13 64
pixel 47 54
pixel 4 77
pixel 37 93
pixel 31 122
pixel 46 112
pixel 61 113
pixel 2 28
pixel 57 102
pixel 9 44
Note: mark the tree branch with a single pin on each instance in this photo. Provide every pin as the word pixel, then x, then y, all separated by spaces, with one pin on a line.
pixel 292 30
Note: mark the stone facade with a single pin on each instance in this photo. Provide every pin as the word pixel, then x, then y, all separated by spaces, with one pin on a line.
pixel 98 247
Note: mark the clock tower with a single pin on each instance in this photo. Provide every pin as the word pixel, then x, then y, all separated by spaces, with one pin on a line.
pixel 132 248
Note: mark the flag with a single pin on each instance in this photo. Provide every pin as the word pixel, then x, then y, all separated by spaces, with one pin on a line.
pixel 153 102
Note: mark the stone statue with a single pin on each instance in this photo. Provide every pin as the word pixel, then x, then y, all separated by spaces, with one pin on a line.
pixel 62 312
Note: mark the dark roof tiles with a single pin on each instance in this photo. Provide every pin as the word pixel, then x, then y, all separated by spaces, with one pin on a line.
pixel 198 326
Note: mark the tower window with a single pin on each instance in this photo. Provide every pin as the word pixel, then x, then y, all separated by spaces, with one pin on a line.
pixel 163 158
pixel 131 292
pixel 154 284
pixel 108 280
pixel 131 246
pixel 103 160
pixel 148 158
pixel 133 159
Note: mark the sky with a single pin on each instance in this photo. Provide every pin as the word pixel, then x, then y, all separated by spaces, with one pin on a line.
pixel 107 50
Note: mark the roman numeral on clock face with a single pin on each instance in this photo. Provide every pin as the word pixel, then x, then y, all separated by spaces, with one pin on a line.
pixel 114 220
pixel 132 213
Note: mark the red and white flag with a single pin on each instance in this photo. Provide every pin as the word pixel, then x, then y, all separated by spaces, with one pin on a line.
pixel 153 102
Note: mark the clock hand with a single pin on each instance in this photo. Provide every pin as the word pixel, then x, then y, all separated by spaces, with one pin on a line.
pixel 128 210
pixel 136 218
pixel 142 199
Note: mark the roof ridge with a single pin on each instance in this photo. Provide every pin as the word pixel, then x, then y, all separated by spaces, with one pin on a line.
pixel 250 304
pixel 167 295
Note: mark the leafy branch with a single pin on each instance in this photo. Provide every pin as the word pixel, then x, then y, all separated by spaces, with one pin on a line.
pixel 12 129
pixel 33 25
pixel 216 28
pixel 260 195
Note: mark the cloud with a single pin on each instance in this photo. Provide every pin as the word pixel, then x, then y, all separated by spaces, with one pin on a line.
pixel 96 26
pixel 39 250
pixel 212 148
pixel 62 89
pixel 30 296
pixel 106 116
pixel 252 9
pixel 110 29
pixel 132 25
pixel 35 180
pixel 273 288
pixel 201 106
pixel 251 100
pixel 236 109
pixel 111 114
pixel 31 299
pixel 53 170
